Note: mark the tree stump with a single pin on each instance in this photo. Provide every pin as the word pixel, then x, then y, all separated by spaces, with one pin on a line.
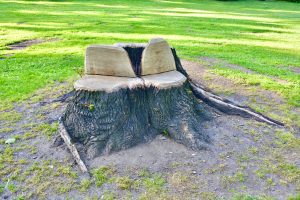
pixel 130 94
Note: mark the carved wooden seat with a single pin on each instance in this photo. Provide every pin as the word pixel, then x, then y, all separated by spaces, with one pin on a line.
pixel 164 80
pixel 157 58
pixel 135 94
pixel 131 93
pixel 107 60
pixel 106 83
pixel 108 68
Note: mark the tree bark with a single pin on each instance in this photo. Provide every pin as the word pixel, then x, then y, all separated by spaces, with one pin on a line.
pixel 107 122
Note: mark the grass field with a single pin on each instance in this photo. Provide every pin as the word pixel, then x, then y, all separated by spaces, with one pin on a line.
pixel 261 36
pixel 253 44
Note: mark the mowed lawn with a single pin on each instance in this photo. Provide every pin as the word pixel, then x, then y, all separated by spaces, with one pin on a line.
pixel 263 36
pixel 254 46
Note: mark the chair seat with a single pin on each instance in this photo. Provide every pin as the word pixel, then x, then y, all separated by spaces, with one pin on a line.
pixel 113 83
pixel 106 83
pixel 164 80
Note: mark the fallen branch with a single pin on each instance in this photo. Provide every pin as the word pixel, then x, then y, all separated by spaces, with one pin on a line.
pixel 66 137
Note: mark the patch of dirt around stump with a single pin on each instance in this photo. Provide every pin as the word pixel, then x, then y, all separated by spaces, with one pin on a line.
pixel 245 156
pixel 267 102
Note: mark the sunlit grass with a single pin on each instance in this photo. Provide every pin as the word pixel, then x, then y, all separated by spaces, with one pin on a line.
pixel 261 36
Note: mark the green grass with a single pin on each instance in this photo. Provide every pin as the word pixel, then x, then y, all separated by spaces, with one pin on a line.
pixel 124 183
pixel 102 175
pixel 263 36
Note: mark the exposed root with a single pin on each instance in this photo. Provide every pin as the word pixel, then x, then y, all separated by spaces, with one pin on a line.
pixel 229 107
pixel 224 105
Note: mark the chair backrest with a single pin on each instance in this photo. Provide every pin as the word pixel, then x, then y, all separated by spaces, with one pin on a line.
pixel 157 57
pixel 107 60
pixel 119 60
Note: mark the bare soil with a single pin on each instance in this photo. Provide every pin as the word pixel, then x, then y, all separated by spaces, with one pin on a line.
pixel 213 61
pixel 245 156
pixel 27 43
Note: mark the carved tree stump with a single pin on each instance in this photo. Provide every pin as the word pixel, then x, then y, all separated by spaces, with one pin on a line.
pixel 130 94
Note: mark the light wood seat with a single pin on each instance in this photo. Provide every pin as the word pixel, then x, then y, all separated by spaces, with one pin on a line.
pixel 108 60
pixel 112 83
pixel 109 68
pixel 157 57
pixel 113 60
pixel 106 83
pixel 164 80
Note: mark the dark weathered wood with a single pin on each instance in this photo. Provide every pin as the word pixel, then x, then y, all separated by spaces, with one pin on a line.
pixel 177 112
pixel 107 122
pixel 135 51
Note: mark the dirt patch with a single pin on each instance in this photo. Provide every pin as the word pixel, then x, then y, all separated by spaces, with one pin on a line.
pixel 214 170
pixel 294 69
pixel 267 102
pixel 200 73
pixel 222 63
pixel 212 62
pixel 244 156
pixel 24 44
pixel 21 22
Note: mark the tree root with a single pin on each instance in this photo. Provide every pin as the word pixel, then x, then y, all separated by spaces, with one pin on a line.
pixel 228 107
pixel 221 104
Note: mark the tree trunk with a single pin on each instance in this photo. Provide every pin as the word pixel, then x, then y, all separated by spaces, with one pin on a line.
pixel 106 122
pixel 111 120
